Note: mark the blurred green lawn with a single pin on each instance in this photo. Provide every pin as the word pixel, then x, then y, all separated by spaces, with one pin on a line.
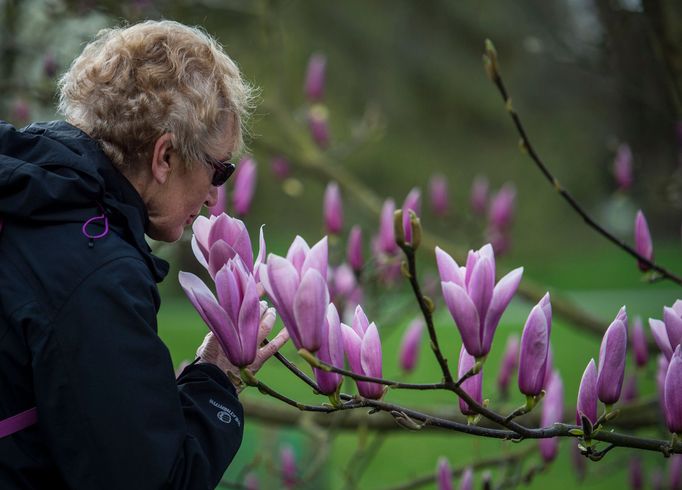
pixel 595 283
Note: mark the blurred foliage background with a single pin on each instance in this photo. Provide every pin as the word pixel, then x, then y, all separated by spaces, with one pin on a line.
pixel 407 98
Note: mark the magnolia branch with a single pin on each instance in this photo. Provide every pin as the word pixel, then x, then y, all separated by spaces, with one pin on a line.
pixel 492 68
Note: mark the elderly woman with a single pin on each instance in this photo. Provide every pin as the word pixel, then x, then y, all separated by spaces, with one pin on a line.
pixel 88 397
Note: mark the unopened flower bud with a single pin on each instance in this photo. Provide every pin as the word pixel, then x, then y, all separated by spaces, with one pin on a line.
pixel 438 192
pixel 288 466
pixel 612 360
pixel 622 167
pixel 354 250
pixel 280 167
pixel 643 244
pixel 315 77
pixel 444 474
pixel 333 209
pixel 587 394
pixel 534 348
pixel 479 195
pixel 409 347
pixel 244 186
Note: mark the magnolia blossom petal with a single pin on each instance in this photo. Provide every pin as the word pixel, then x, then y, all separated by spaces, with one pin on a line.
pixel 465 314
pixel 673 392
pixel 447 268
pixel 661 337
pixel 283 281
pixel 502 295
pixel 317 258
pixel 481 285
pixel 310 308
pixel 198 252
pixel 360 321
pixel 297 253
pixel 228 291
pixel 249 322
pixel 201 227
pixel 221 252
pixel 194 286
pixel 673 325
pixel 352 343
pixel 370 354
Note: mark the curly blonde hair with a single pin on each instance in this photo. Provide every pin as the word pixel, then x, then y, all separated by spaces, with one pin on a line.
pixel 133 84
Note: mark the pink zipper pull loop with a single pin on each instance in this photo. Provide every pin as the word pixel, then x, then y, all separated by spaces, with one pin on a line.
pixel 101 217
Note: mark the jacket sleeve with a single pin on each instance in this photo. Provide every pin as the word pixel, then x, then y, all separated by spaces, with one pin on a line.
pixel 108 403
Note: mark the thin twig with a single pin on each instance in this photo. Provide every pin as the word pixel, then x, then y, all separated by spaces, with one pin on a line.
pixel 426 311
pixel 494 74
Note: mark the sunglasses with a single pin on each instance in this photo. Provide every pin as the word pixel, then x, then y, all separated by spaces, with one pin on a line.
pixel 221 171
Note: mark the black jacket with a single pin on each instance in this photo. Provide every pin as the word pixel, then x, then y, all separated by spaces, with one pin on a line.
pixel 78 334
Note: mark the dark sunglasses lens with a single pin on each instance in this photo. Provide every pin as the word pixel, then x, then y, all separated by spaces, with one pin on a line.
pixel 222 173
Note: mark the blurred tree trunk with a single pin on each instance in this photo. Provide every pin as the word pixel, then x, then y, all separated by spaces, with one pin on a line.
pixel 644 50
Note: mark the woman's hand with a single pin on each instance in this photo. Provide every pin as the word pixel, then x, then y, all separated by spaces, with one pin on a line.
pixel 211 352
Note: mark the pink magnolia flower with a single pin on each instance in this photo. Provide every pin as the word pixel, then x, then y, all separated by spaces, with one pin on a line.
pixel 410 344
pixel 612 359
pixel 475 302
pixel 244 186
pixel 297 285
pixel 502 207
pixel 479 195
pixel 438 193
pixel 354 250
pixel 467 482
pixel 444 474
pixel 280 167
pixel 386 238
pixel 587 394
pixel 643 243
pixel 234 317
pixel 288 466
pixel 622 167
pixel 219 238
pixel 333 209
pixel 315 77
pixel 363 349
pixel 535 348
pixel 668 333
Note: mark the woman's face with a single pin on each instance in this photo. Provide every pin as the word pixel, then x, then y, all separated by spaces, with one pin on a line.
pixel 181 200
pixel 178 200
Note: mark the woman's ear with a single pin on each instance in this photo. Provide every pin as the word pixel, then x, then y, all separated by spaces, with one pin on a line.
pixel 161 158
